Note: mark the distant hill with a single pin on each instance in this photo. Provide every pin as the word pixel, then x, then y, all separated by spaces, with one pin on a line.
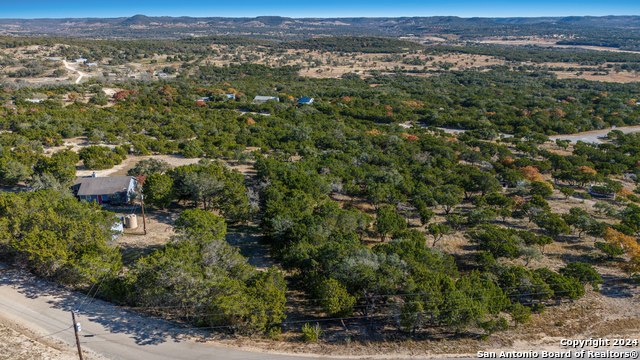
pixel 578 28
pixel 139 20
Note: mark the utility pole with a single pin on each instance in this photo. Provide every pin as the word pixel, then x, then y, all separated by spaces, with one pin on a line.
pixel 75 330
pixel 144 221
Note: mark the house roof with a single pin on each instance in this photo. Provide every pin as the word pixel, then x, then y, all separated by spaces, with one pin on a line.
pixel 305 100
pixel 103 185
pixel 265 98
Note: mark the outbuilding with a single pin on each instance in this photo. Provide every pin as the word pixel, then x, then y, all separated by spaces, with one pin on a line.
pixel 263 99
pixel 305 100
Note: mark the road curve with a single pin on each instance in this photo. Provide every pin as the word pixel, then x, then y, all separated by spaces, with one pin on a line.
pixel 64 62
pixel 108 330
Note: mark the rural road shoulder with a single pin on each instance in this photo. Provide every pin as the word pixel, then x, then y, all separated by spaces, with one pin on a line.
pixel 108 330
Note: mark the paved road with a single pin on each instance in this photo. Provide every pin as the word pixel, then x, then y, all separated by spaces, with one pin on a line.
pixel 594 136
pixel 106 329
pixel 587 137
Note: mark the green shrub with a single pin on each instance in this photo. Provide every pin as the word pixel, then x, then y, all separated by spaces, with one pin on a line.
pixel 336 302
pixel 311 333
pixel 633 198
pixel 583 272
pixel 584 196
pixel 538 308
pixel 493 326
pixel 486 260
pixel 520 314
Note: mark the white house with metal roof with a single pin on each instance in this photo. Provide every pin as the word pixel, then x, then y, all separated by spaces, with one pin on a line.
pixel 263 99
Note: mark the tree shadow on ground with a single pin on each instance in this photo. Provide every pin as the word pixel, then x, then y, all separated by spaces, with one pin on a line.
pixel 252 245
pixel 617 287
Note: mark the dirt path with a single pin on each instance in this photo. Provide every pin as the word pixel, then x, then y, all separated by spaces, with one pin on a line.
pixel 74 70
pixel 131 161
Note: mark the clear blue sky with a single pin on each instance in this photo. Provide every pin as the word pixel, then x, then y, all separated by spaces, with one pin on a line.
pixel 326 8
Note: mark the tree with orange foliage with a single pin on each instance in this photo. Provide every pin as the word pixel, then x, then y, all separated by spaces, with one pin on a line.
pixel 409 137
pixel 507 161
pixel 587 170
pixel 630 246
pixel 531 173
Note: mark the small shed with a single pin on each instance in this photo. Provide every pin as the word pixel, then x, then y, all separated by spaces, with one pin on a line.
pixel 305 100
pixel 80 61
pixel 230 96
pixel 601 192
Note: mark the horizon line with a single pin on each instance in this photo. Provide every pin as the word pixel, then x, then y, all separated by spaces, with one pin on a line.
pixel 333 17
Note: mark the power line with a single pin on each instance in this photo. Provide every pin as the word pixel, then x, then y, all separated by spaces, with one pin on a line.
pixel 358 317
pixel 31 316
pixel 390 305
pixel 89 292
pixel 397 295
pixel 342 318
pixel 96 292
pixel 38 338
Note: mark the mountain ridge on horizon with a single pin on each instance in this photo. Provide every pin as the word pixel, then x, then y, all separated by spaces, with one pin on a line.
pixel 289 28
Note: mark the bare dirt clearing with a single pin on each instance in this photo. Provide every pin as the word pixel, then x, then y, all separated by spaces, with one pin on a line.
pixel 131 161
pixel 159 222
pixel 26 345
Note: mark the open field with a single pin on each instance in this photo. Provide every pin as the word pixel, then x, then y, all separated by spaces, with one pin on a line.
pixel 315 64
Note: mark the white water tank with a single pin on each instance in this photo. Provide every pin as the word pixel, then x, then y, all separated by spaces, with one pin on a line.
pixel 131 221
